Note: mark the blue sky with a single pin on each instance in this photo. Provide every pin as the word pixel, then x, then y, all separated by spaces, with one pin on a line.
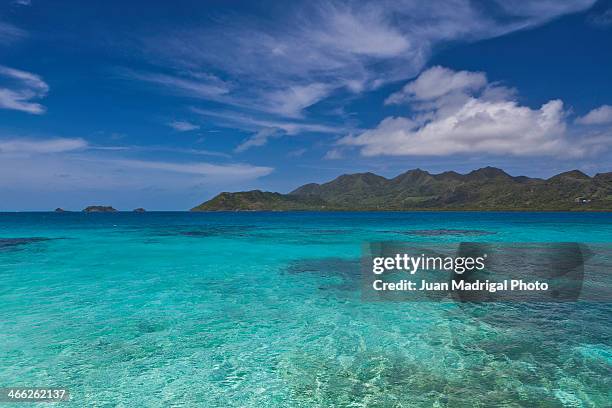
pixel 164 104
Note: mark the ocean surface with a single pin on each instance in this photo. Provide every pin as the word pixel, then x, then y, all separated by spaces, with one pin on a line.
pixel 264 310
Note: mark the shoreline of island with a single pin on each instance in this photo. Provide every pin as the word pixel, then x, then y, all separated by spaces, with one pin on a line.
pixel 486 189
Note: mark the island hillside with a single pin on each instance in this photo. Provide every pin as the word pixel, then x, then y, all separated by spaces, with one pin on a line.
pixel 485 189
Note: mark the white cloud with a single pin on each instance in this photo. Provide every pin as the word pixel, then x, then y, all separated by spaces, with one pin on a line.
pixel 437 82
pixel 473 122
pixel 598 116
pixel 183 126
pixel 32 146
pixel 21 89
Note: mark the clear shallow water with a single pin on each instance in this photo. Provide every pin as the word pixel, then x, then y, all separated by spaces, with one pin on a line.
pixel 264 310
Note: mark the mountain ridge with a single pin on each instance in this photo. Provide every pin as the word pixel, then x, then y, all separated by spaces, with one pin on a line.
pixel 484 189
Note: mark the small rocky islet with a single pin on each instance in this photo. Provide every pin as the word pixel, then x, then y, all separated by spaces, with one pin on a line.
pixel 99 208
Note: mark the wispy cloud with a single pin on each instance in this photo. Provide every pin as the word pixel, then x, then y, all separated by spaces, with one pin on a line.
pixel 242 171
pixel 183 126
pixel 162 149
pixel 251 123
pixel 10 33
pixel 297 152
pixel 265 129
pixel 89 175
pixel 29 146
pixel 21 88
pixel 602 19
pixel 33 146
pixel 292 101
pixel 333 154
pixel 73 164
pixel 321 49
pixel 357 44
pixel 198 85
pixel 258 139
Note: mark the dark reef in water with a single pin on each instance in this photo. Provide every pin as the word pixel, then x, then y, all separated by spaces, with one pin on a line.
pixel 439 232
pixel 206 231
pixel 8 243
pixel 217 231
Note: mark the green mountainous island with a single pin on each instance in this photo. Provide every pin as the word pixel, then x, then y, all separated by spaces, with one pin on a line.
pixel 485 189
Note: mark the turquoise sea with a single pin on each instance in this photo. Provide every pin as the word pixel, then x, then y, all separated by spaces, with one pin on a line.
pixel 264 310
